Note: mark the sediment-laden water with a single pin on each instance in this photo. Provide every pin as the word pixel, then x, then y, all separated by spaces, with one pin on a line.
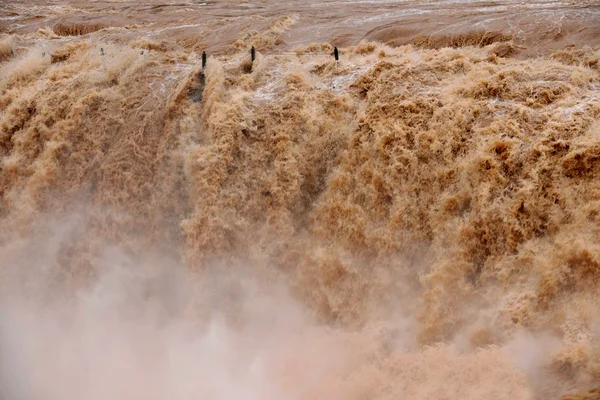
pixel 420 219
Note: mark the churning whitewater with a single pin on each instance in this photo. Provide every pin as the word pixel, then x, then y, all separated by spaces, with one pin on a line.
pixel 418 219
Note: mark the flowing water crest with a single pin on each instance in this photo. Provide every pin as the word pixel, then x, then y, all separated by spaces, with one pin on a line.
pixel 417 220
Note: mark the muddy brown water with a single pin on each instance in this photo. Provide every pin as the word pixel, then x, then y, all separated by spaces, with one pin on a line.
pixel 420 219
pixel 537 25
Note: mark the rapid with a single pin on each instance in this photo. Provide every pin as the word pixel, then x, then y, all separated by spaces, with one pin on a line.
pixel 420 219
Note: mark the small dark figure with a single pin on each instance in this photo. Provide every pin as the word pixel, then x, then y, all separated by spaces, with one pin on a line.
pixel 336 55
pixel 253 54
pixel 142 53
pixel 101 51
pixel 203 60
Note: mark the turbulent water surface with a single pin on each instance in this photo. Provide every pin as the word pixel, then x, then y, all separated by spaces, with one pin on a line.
pixel 420 219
